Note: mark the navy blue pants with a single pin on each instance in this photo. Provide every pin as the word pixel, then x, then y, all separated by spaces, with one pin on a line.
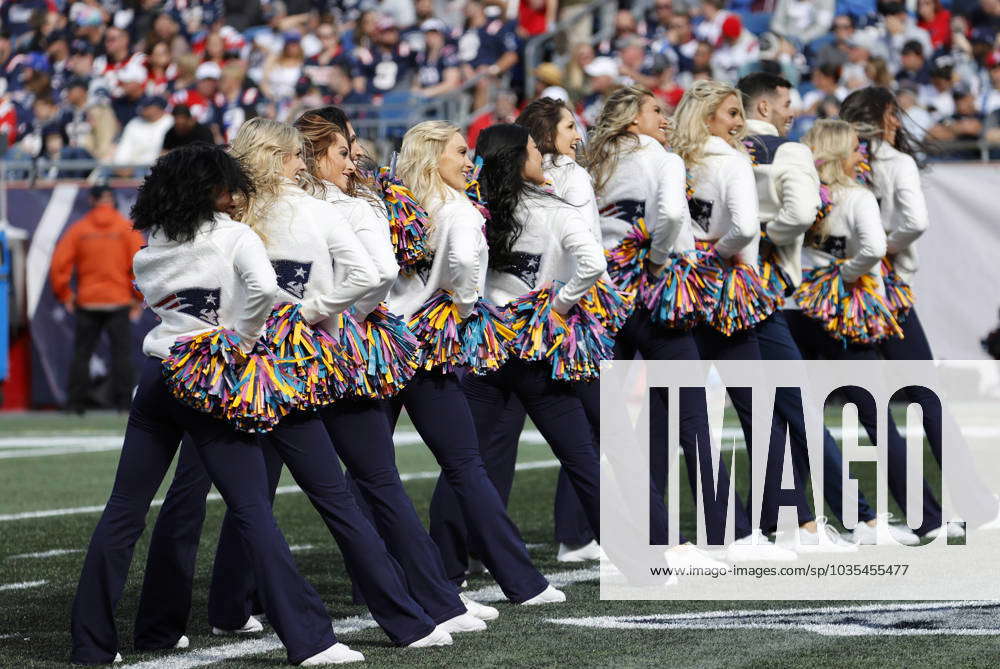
pixel 362 437
pixel 236 465
pixel 440 412
pixel 776 343
pixel 814 343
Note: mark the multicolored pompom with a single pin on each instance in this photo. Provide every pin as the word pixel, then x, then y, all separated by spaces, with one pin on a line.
pixel 308 354
pixel 611 306
pixel 770 270
pixel 408 220
pixel 447 343
pixel 863 171
pixel 855 314
pixel 382 351
pixel 687 293
pixel 573 344
pixel 473 191
pixel 898 294
pixel 263 395
pixel 744 299
pixel 626 262
pixel 485 338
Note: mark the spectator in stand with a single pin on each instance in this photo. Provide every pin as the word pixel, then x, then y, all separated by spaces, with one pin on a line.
pixel 132 84
pixel 98 250
pixel 387 65
pixel 854 73
pixel 713 13
pixel 897 29
pixel 936 20
pixel 504 111
pixel 213 49
pixel 938 98
pixel 878 73
pixel 575 78
pixel 681 42
pixel 990 103
pixel 414 33
pixel 117 57
pixel 166 29
pixel 915 118
pixel 548 83
pixel 738 48
pixel 964 124
pixel 638 64
pixel 342 88
pixel 802 21
pixel 659 28
pixel 913 68
pixel 604 79
pixel 238 101
pixel 438 67
pixel 282 71
pixel 826 80
pixel 582 30
pixel 667 88
pixel 142 137
pixel 317 67
pixel 55 151
pixel 186 130
pixel 534 17
pixel 161 69
pixel 15 17
pixel 489 46
pixel 201 98
pixel 243 14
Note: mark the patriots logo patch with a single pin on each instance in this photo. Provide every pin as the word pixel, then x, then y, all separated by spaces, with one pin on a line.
pixel 202 303
pixel 524 266
pixel 292 276
pixel 835 246
pixel 625 210
pixel 701 212
pixel 422 268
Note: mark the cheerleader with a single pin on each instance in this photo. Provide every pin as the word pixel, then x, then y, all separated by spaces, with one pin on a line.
pixel 201 270
pixel 895 177
pixel 434 163
pixel 371 461
pixel 852 235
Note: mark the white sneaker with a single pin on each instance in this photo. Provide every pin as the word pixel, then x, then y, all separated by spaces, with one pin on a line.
pixel 251 626
pixel 995 523
pixel 826 539
pixel 955 531
pixel 477 567
pixel 756 546
pixel 182 643
pixel 338 653
pixel 547 596
pixel 465 622
pixel 438 637
pixel 591 551
pixel 689 555
pixel 118 659
pixel 884 533
pixel 478 610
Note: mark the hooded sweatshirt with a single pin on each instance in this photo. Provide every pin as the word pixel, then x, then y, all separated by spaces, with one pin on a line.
pixel 99 248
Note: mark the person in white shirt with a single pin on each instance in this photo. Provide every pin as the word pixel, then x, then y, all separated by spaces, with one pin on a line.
pixel 434 164
pixel 357 426
pixel 895 175
pixel 852 233
pixel 142 137
pixel 201 271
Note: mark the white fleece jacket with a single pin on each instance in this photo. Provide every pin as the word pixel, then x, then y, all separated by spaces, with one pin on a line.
pixel 901 201
pixel 222 278
pixel 852 232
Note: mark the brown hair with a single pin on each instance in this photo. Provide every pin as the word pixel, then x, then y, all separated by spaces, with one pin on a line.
pixel 541 118
pixel 320 135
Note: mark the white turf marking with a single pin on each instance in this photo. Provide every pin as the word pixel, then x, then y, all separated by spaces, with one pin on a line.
pixel 22 586
pixel 215 497
pixel 299 548
pixel 45 554
pixel 342 627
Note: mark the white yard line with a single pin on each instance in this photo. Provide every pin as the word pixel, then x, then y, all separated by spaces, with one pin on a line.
pixel 46 554
pixel 21 586
pixel 215 497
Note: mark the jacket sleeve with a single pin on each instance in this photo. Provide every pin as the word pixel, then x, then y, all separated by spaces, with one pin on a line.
pixel 465 239
pixel 671 205
pixel 797 185
pixel 135 242
pixel 576 238
pixel 353 272
pixel 580 194
pixel 866 226
pixel 739 190
pixel 373 233
pixel 260 284
pixel 909 198
pixel 63 264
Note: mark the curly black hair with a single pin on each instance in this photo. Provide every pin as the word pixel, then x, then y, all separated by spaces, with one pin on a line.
pixel 180 193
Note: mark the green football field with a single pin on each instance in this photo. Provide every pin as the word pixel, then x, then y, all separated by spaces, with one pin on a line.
pixel 56 472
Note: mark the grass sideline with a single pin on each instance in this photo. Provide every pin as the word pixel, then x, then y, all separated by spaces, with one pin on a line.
pixel 34 621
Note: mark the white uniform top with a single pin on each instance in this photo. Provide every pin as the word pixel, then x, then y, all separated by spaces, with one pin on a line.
pixel 573 183
pixel 901 200
pixel 460 258
pixel 653 176
pixel 371 224
pixel 555 244
pixel 319 261
pixel 724 205
pixel 221 278
pixel 853 232
pixel 788 197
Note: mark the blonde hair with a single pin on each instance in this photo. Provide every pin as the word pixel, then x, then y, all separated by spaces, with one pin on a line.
pixel 611 134
pixel 690 129
pixel 832 142
pixel 262 146
pixel 423 145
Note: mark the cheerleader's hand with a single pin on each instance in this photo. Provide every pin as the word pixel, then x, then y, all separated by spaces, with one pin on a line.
pixel 655 271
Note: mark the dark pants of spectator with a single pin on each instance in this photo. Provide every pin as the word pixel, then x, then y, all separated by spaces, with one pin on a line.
pixel 814 342
pixel 235 463
pixel 89 325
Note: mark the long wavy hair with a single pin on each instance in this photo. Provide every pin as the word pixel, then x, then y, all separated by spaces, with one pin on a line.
pixel 832 142
pixel 262 146
pixel 690 128
pixel 362 182
pixel 423 145
pixel 610 137
pixel 865 110
pixel 320 135
pixel 541 117
pixel 179 194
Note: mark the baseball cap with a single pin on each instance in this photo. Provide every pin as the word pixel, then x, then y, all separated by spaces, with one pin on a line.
pixel 208 70
pixel 732 26
pixel 993 59
pixel 153 101
pixel 133 73
pixel 434 25
pixel 549 74
pixel 385 22
pixel 602 66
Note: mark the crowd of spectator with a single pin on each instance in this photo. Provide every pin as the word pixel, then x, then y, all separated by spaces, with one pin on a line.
pixel 119 81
